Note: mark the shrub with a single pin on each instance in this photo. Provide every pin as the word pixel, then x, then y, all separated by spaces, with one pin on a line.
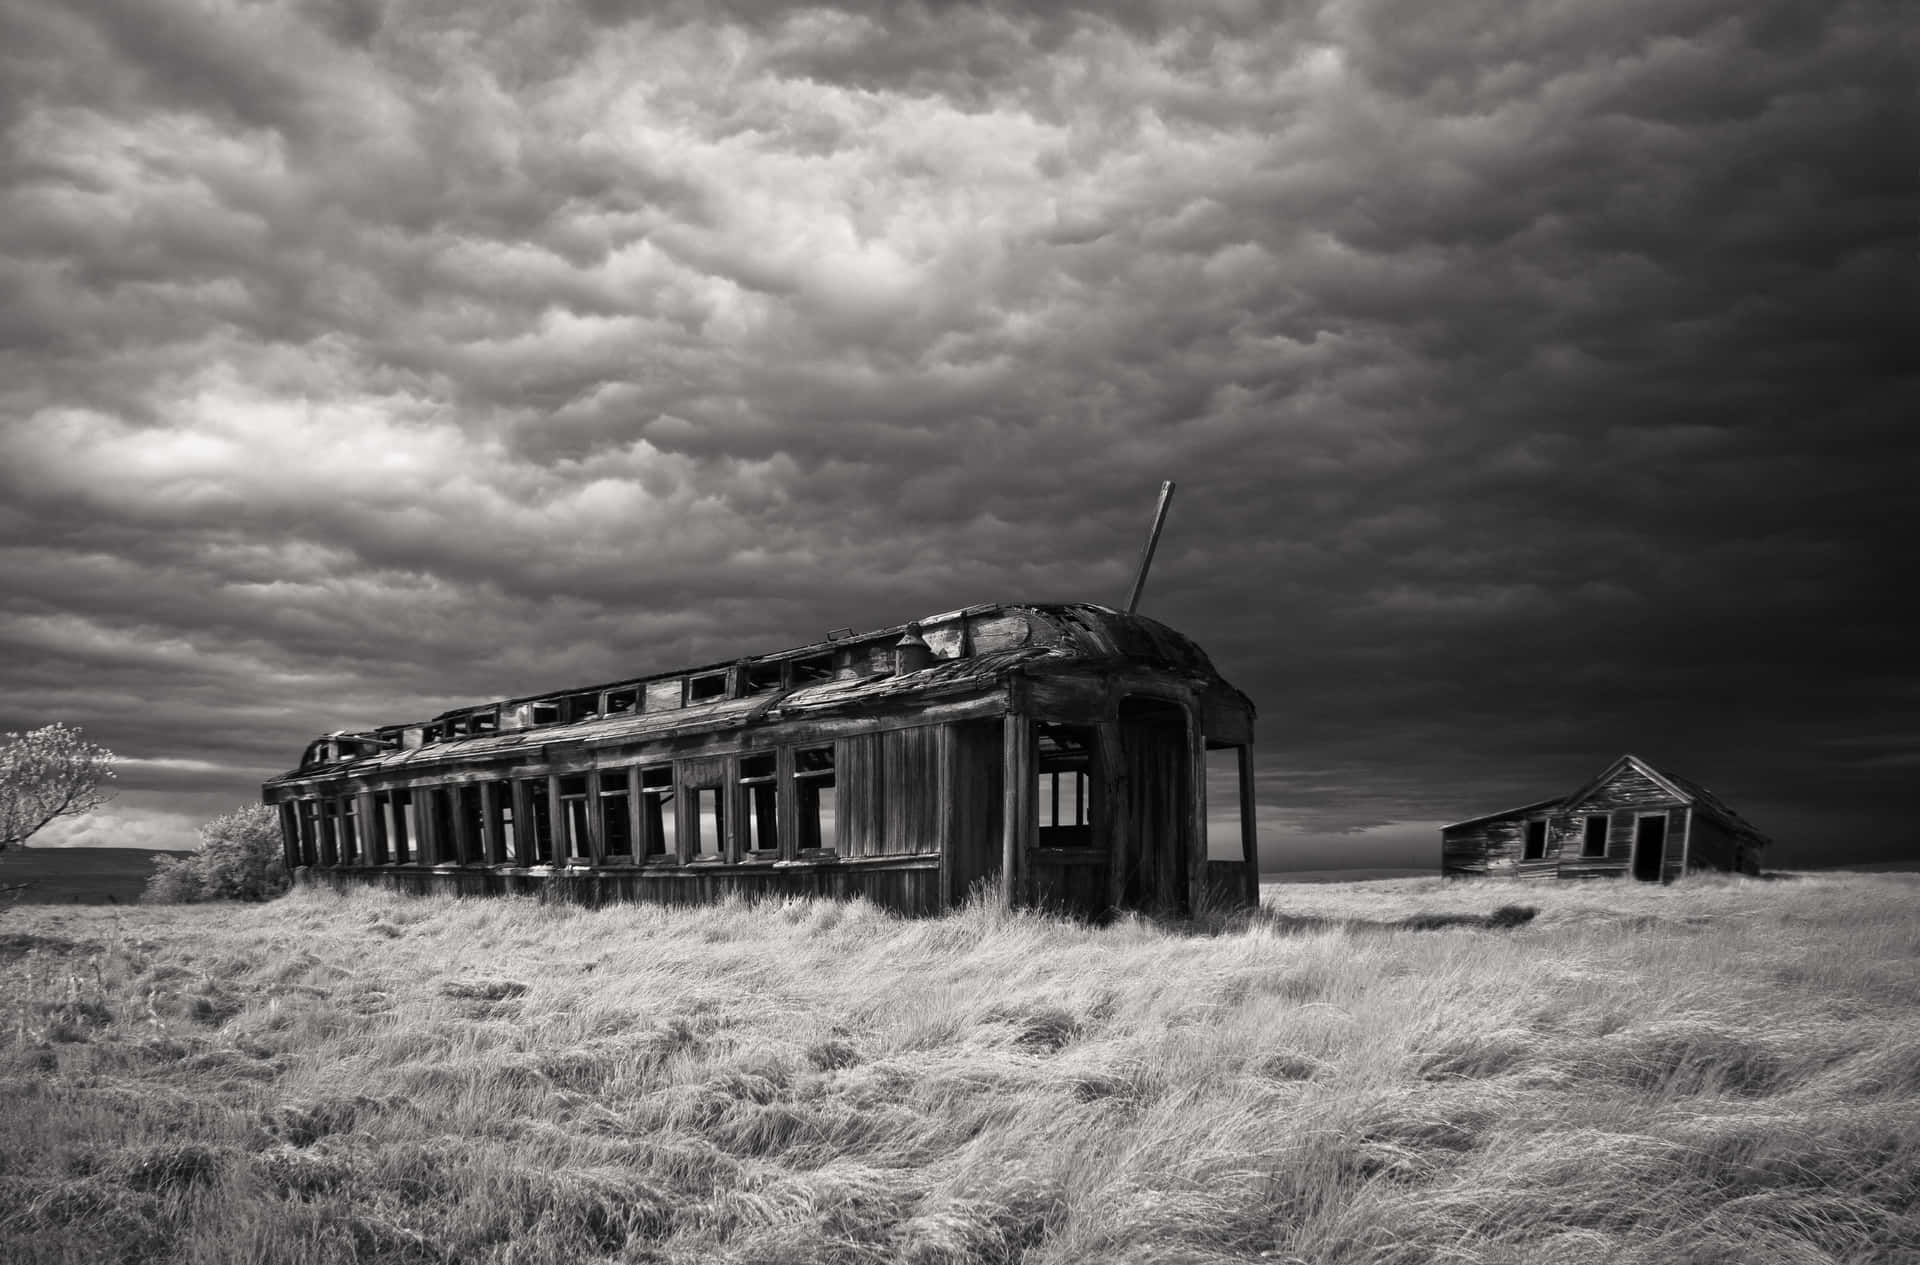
pixel 238 859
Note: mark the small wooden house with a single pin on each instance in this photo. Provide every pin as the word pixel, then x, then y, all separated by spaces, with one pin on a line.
pixel 1061 748
pixel 1632 819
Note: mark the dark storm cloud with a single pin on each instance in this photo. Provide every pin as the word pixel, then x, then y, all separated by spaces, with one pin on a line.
pixel 1530 373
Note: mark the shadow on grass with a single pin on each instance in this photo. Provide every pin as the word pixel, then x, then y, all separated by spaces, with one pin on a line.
pixel 1231 922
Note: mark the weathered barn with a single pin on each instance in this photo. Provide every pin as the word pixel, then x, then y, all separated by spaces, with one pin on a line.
pixel 1632 819
pixel 1063 746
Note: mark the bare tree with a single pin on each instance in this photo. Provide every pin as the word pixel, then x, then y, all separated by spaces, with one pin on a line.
pixel 46 774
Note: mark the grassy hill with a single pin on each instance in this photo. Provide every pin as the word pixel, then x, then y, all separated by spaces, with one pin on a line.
pixel 1718 1071
pixel 87 876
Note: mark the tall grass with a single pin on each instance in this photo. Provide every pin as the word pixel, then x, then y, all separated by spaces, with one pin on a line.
pixel 1723 1070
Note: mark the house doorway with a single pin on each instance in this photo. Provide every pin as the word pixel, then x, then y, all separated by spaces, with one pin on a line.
pixel 1650 848
pixel 1158 769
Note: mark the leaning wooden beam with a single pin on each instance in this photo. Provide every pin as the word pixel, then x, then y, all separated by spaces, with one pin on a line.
pixel 1153 542
pixel 557 821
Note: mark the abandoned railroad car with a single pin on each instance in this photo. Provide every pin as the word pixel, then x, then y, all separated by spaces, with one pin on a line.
pixel 1062 746
pixel 1632 819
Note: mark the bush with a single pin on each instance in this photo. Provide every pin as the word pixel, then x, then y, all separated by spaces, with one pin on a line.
pixel 238 859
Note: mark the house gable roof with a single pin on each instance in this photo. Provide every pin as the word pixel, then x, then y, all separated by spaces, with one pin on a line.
pixel 1523 810
pixel 1634 762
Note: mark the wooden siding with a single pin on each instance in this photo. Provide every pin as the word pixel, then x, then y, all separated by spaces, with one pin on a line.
pixel 889 795
pixel 974 842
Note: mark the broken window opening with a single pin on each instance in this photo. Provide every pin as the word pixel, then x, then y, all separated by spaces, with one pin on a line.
pixel 472 844
pixel 309 833
pixel 622 701
pixel 573 807
pixel 400 810
pixel 1594 841
pixel 1064 794
pixel 759 777
pixel 763 678
pixel 616 832
pixel 578 707
pixel 547 713
pixel 702 689
pixel 1536 843
pixel 812 670
pixel 658 829
pixel 349 832
pixel 539 836
pixel 814 800
pixel 503 813
pixel 709 824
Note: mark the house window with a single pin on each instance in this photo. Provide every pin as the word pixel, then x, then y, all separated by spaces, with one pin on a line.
pixel 539 837
pixel 309 833
pixel 701 689
pixel 616 829
pixel 813 670
pixel 621 701
pixel 709 824
pixel 657 827
pixel 573 809
pixel 509 839
pixel 1064 794
pixel 576 707
pixel 1593 843
pixel 402 845
pixel 547 713
pixel 813 798
pixel 1536 846
pixel 763 678
pixel 762 795
pixel 349 832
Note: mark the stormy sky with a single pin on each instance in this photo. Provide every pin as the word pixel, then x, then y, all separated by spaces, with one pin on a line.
pixel 1532 374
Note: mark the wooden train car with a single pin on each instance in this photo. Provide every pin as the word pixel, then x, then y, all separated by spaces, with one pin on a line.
pixel 1633 819
pixel 1058 751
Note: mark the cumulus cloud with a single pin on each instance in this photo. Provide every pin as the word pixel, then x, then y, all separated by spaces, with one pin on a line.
pixel 1530 372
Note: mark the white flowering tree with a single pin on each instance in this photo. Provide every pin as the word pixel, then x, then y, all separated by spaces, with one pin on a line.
pixel 46 774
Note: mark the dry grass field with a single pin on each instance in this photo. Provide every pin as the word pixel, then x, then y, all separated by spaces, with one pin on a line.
pixel 1720 1071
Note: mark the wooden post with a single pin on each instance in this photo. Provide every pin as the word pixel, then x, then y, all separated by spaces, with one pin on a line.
pixel 1197 755
pixel 590 810
pixel 1014 746
pixel 426 819
pixel 495 837
pixel 556 820
pixel 289 837
pixel 636 842
pixel 373 834
pixel 1116 823
pixel 526 845
pixel 1249 826
pixel 786 804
